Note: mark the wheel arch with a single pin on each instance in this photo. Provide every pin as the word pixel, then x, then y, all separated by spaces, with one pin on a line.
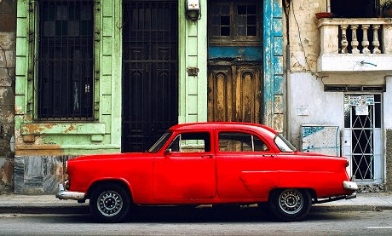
pixel 120 182
pixel 311 191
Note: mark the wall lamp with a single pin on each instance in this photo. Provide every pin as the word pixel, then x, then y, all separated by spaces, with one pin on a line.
pixel 192 10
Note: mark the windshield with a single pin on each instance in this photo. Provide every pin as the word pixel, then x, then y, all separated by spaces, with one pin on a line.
pixel 159 144
pixel 283 144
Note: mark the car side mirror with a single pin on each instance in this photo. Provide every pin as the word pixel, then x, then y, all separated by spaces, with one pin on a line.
pixel 168 151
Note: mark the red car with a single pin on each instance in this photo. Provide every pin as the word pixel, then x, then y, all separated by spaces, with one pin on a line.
pixel 209 163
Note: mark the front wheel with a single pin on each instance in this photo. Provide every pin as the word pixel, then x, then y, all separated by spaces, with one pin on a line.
pixel 110 203
pixel 290 204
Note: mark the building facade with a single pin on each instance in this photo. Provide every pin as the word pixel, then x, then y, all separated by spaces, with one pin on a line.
pixel 340 76
pixel 88 76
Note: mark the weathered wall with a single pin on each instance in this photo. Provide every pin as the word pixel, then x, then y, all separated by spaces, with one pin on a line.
pixel 7 71
pixel 388 133
pixel 389 159
pixel 303 34
pixel 43 147
pixel 307 102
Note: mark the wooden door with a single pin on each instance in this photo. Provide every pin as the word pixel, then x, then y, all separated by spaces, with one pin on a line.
pixel 234 92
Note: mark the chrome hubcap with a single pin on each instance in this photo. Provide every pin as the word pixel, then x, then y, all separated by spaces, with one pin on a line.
pixel 291 201
pixel 109 203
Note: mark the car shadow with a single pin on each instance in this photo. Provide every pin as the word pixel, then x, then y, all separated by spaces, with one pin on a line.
pixel 187 214
pixel 205 214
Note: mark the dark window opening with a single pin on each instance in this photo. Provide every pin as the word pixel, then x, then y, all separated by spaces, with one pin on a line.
pixel 355 8
pixel 234 22
pixel 65 60
pixel 354 88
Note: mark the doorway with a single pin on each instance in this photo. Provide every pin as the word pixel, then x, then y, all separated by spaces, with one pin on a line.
pixel 150 72
pixel 234 92
pixel 235 61
pixel 362 136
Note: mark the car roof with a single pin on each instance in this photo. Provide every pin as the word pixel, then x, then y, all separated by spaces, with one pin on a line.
pixel 223 126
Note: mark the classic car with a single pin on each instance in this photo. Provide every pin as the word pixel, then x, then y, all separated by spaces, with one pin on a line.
pixel 209 163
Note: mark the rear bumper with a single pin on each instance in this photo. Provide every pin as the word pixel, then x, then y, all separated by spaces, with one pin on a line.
pixel 65 195
pixel 335 198
pixel 350 185
pixel 347 185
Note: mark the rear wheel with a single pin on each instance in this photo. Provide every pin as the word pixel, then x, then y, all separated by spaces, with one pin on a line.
pixel 110 203
pixel 290 204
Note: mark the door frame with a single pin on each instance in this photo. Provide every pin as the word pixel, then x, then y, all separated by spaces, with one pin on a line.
pixel 378 141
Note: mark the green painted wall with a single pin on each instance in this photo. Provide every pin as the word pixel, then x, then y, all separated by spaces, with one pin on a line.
pixel 51 138
pixel 193 54
pixel 104 133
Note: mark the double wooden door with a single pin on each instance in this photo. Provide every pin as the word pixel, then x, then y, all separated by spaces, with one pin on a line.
pixel 234 92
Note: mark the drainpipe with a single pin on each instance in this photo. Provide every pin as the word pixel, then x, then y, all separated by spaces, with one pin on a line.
pixel 286 10
pixel 328 2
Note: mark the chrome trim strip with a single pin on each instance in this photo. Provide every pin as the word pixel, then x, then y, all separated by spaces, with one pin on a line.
pixel 349 185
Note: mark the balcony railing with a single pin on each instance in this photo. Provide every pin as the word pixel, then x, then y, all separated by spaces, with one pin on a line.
pixel 346 42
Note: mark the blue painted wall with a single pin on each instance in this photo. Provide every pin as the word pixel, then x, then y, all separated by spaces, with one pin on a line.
pixel 270 53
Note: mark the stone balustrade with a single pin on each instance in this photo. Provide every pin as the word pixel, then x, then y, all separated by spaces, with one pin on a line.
pixel 357 35
pixel 348 41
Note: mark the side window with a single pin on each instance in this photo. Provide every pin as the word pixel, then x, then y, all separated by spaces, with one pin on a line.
pixel 191 142
pixel 240 142
pixel 65 59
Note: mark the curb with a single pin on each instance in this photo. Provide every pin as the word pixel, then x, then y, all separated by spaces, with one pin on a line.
pixel 84 209
pixel 342 208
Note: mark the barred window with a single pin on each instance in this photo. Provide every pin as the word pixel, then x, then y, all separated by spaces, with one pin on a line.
pixel 65 60
pixel 234 22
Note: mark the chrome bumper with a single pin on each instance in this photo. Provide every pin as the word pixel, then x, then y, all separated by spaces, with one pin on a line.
pixel 350 185
pixel 65 195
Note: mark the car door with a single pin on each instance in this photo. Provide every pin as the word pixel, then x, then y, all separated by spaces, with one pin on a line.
pixel 186 173
pixel 246 167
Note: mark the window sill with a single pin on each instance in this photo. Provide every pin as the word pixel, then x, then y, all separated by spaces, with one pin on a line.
pixel 29 131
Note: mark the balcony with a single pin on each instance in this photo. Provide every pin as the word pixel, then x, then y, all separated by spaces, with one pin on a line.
pixel 355 45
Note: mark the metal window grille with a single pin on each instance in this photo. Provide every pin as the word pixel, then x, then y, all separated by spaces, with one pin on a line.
pixel 65 59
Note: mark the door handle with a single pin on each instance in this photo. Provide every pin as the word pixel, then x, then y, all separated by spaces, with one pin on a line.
pixel 206 156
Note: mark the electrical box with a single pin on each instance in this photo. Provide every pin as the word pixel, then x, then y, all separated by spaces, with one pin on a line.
pixel 323 139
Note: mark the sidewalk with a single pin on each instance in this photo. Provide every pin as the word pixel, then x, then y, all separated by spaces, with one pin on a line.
pixel 40 204
pixel 49 204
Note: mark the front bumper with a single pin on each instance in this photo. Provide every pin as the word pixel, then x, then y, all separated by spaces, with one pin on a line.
pixel 66 195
